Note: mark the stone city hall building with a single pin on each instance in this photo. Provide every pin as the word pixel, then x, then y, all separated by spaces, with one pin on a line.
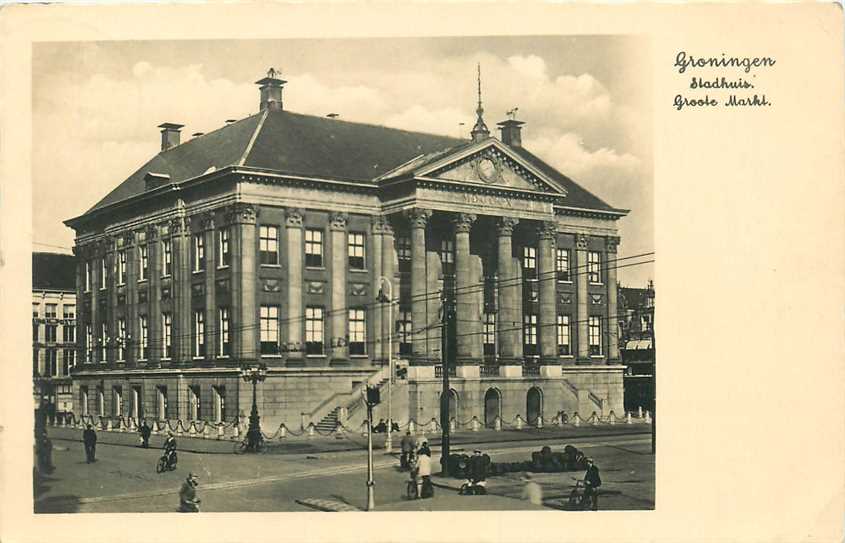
pixel 270 239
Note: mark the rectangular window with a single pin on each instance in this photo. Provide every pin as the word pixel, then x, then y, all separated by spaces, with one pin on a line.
pixel 529 262
pixel 69 333
pixel 69 361
pixel 269 315
pixel 357 332
pixel 35 313
pixel 447 255
pixel 595 336
pixel 51 311
pixel 144 339
pixel 268 245
pixel 224 255
pixel 594 267
pixel 68 311
pixel 50 333
pixel 161 403
pixel 219 403
pixel 223 331
pixel 35 369
pixel 89 343
pixel 35 329
pixel 356 251
pixel 314 330
pixel 104 339
pixel 121 340
pixel 87 276
pixel 143 263
pixel 166 346
pixel 104 272
pixel 101 402
pixel 117 401
pixel 199 333
pixel 137 404
pixel 403 249
pixel 199 252
pixel 529 334
pixel 52 362
pixel 121 267
pixel 403 330
pixel 313 248
pixel 166 258
pixel 489 334
pixel 83 400
pixel 563 343
pixel 194 403
pixel 562 265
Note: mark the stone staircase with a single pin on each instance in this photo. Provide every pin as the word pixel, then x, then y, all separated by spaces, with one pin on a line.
pixel 329 422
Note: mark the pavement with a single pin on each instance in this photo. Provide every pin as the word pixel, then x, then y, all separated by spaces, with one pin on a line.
pixel 124 480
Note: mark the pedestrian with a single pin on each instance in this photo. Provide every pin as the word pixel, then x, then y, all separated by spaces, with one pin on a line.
pixel 145 432
pixel 532 491
pixel 592 482
pixel 424 487
pixel 188 499
pixel 89 438
pixel 408 445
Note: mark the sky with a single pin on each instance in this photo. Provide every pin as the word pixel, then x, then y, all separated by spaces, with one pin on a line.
pixel 586 102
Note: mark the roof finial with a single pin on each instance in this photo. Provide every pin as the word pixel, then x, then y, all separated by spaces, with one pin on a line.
pixel 271 73
pixel 479 131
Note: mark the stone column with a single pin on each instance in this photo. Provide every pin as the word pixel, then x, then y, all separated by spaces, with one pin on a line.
pixel 338 312
pixel 207 223
pixel 154 297
pixel 388 326
pixel 420 348
pixel 378 309
pixel 612 317
pixel 547 237
pixel 94 259
pixel 509 316
pixel 130 314
pixel 295 252
pixel 242 217
pixel 182 317
pixel 581 246
pixel 468 340
pixel 81 314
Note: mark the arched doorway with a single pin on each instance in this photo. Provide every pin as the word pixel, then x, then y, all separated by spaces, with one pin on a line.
pixel 453 405
pixel 534 404
pixel 492 407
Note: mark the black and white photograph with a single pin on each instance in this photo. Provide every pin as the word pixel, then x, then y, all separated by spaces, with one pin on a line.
pixel 405 274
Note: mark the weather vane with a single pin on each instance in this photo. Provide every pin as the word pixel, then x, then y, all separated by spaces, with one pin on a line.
pixel 512 113
pixel 272 73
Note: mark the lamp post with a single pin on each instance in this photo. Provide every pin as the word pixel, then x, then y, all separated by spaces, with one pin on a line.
pixel 388 443
pixel 372 398
pixel 253 374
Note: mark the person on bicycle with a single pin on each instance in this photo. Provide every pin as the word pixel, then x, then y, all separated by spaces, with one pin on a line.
pixel 592 482
pixel 170 449
pixel 188 499
pixel 408 446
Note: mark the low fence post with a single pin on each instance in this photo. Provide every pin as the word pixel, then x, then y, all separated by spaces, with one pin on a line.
pixel 576 419
pixel 518 422
pixel 647 417
pixel 628 417
pixel 540 422
pixel 497 425
pixel 475 424
pixel 283 430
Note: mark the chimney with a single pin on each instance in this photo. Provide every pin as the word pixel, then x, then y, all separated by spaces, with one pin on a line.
pixel 511 132
pixel 271 91
pixel 169 135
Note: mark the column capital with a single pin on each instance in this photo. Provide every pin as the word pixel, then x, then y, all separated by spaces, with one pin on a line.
pixel 128 239
pixel 418 217
pixel 205 221
pixel 241 213
pixel 178 225
pixel 338 221
pixel 107 244
pixel 505 226
pixel 582 241
pixel 612 243
pixel 547 231
pixel 381 225
pixel 463 222
pixel 294 217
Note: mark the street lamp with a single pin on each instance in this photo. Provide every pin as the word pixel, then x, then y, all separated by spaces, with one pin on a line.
pixel 388 443
pixel 254 375
pixel 372 398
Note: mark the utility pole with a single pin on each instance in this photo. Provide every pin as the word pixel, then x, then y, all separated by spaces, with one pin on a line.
pixel 372 398
pixel 448 324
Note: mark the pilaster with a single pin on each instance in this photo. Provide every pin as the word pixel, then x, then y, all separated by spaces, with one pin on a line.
pixel 337 226
pixel 418 218
pixel 206 222
pixel 154 296
pixel 612 243
pixel 581 246
pixel 295 255
pixel 242 217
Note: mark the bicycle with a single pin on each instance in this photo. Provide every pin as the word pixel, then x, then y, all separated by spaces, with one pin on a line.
pixel 579 498
pixel 167 462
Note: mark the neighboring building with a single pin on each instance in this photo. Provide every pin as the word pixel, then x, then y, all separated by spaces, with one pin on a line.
pixel 637 340
pixel 269 239
pixel 53 331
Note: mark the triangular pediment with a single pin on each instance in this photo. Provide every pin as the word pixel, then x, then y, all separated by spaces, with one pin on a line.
pixel 490 163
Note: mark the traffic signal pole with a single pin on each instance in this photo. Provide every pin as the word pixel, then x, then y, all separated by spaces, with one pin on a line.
pixel 445 416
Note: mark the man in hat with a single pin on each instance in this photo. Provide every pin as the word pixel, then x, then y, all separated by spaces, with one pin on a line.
pixel 408 445
pixel 89 438
pixel 592 482
pixel 478 472
pixel 188 500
